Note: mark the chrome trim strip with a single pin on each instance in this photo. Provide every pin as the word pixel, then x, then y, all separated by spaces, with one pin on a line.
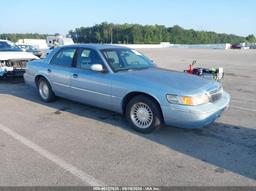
pixel 60 84
pixel 85 90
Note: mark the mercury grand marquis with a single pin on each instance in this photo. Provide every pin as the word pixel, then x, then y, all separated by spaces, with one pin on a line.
pixel 125 81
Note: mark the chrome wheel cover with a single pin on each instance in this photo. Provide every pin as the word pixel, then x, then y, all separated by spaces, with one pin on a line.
pixel 44 90
pixel 141 115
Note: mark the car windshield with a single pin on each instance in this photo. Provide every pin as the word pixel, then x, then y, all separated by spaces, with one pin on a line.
pixel 126 59
pixel 8 46
pixel 27 47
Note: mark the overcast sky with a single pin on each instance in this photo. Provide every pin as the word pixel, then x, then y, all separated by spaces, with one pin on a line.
pixel 60 16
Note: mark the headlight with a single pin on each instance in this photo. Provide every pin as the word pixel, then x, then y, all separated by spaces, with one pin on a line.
pixel 2 63
pixel 188 100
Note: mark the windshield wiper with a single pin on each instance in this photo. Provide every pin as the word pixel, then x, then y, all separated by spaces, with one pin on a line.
pixel 122 69
pixel 131 69
pixel 141 68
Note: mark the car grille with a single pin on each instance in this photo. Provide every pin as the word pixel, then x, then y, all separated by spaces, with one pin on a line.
pixel 14 63
pixel 215 94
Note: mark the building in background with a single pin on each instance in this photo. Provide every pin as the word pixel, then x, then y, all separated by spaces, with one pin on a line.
pixel 37 43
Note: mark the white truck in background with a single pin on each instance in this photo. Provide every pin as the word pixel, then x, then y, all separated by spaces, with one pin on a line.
pixel 58 40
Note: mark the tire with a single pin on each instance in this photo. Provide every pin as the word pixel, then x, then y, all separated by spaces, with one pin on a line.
pixel 45 91
pixel 143 114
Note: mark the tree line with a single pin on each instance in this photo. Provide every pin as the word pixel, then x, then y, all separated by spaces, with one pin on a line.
pixel 139 34
pixel 151 34
pixel 14 37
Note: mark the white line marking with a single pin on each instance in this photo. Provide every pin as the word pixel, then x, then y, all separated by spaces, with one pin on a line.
pixel 60 162
pixel 242 108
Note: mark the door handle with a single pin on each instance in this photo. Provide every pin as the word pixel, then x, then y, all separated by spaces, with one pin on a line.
pixel 75 75
pixel 49 70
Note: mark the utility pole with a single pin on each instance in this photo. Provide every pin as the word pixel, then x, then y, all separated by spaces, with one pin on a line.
pixel 111 35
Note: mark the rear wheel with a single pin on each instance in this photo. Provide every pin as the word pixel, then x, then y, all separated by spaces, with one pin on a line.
pixel 45 90
pixel 143 114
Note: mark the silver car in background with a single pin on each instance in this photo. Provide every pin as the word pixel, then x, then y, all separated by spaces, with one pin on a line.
pixel 124 81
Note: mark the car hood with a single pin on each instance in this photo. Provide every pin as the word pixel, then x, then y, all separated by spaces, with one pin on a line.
pixel 179 82
pixel 9 55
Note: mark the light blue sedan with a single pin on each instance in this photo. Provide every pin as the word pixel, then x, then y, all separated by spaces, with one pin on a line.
pixel 124 81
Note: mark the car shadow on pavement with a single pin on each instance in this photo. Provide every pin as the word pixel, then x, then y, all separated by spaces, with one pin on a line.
pixel 227 146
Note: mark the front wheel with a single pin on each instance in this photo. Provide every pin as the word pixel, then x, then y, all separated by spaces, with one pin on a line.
pixel 45 90
pixel 143 114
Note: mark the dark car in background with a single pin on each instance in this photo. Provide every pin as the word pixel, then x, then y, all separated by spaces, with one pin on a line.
pixel 31 49
pixel 236 46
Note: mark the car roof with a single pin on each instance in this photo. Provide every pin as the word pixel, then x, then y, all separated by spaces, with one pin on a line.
pixel 2 40
pixel 97 46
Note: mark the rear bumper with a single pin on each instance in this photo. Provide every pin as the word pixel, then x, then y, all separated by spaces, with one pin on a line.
pixel 195 116
pixel 29 80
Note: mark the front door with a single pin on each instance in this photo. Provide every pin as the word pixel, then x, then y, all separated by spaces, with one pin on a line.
pixel 89 86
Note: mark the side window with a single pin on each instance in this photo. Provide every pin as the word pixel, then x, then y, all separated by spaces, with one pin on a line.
pixel 64 57
pixel 87 58
pixel 112 57
pixel 133 58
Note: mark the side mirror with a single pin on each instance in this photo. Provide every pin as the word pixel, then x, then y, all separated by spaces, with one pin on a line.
pixel 97 68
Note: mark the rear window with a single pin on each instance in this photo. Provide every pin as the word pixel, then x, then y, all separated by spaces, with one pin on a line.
pixel 8 46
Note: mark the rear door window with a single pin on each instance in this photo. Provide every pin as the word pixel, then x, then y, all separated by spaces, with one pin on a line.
pixel 64 57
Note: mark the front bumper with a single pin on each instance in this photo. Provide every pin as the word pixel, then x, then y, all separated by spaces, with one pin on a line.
pixel 10 71
pixel 195 116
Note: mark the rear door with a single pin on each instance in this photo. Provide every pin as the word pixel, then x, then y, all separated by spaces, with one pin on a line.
pixel 59 71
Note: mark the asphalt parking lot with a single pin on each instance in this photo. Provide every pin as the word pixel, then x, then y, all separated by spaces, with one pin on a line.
pixel 69 144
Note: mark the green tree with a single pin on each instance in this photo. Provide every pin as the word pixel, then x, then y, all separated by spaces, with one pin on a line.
pixel 149 34
pixel 251 38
